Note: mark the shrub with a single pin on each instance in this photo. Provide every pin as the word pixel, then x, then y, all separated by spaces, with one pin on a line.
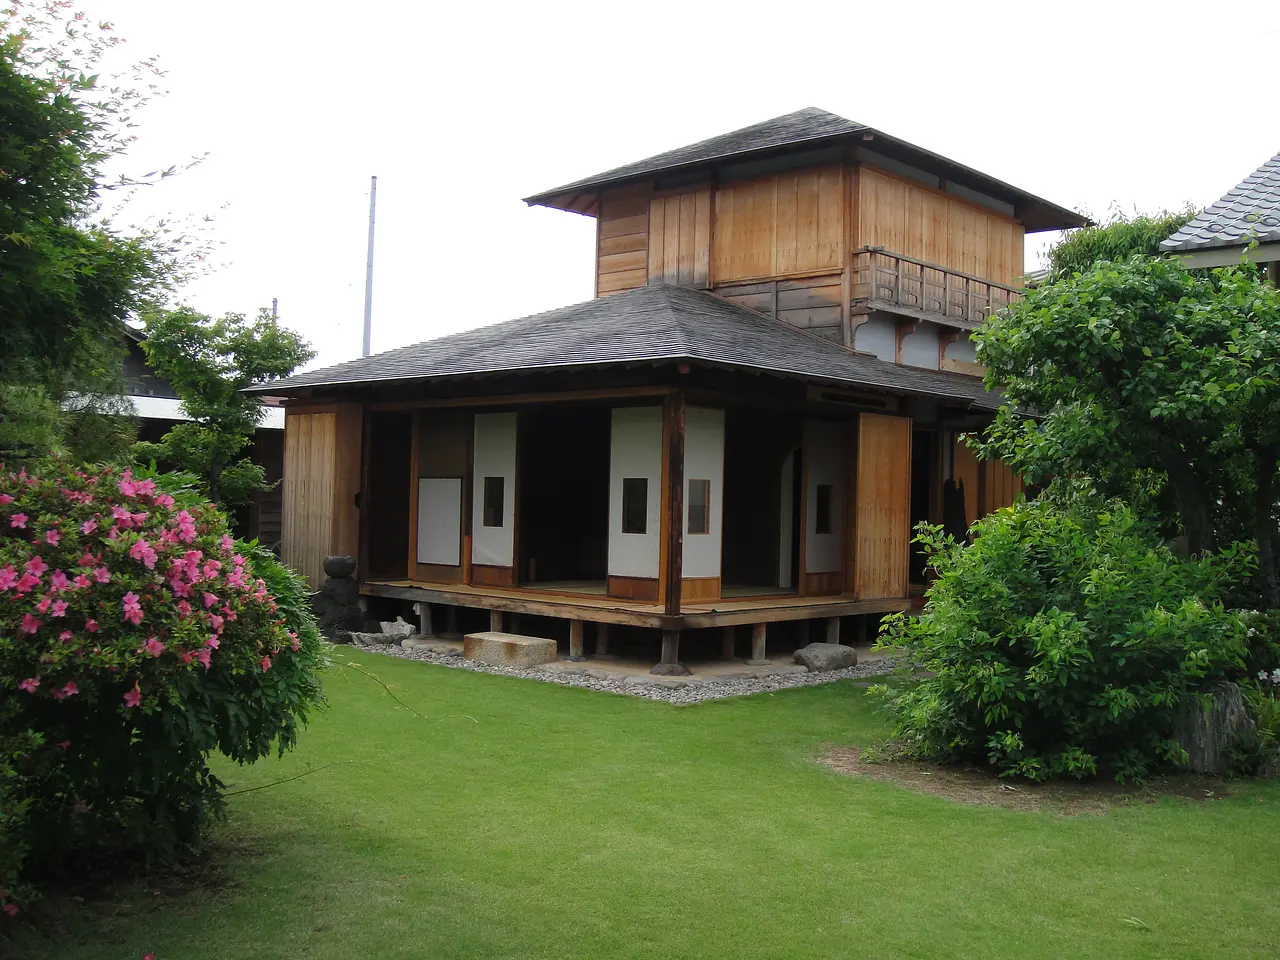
pixel 1062 642
pixel 136 637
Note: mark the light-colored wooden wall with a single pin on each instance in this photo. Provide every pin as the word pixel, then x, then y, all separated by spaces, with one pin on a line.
pixel 883 498
pixel 622 239
pixel 779 225
pixel 988 484
pixel 810 303
pixel 916 221
pixel 310 445
pixel 1001 488
pixel 680 238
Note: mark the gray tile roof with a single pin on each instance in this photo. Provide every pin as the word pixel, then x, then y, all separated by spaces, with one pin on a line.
pixel 648 324
pixel 1251 210
pixel 808 128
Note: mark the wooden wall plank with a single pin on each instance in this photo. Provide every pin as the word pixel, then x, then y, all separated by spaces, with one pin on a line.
pixel 702 239
pixel 307 500
pixel 883 523
pixel 623 239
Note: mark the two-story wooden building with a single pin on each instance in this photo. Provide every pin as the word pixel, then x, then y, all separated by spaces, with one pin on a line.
pixel 741 428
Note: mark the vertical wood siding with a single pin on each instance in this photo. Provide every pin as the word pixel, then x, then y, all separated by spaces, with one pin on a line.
pixel 1001 488
pixel 622 239
pixel 883 497
pixel 779 225
pixel 918 222
pixel 308 492
pixel 680 239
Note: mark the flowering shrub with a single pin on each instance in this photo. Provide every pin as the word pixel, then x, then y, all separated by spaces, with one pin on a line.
pixel 1063 641
pixel 136 636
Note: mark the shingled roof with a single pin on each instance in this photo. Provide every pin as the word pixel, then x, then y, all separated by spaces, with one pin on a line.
pixel 807 129
pixel 1251 210
pixel 656 323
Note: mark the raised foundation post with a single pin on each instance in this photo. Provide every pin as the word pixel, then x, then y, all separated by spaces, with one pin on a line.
pixel 757 645
pixel 726 643
pixel 670 665
pixel 833 630
pixel 602 639
pixel 423 610
pixel 495 621
pixel 451 619
pixel 575 640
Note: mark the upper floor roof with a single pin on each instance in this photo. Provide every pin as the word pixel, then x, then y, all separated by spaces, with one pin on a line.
pixel 806 130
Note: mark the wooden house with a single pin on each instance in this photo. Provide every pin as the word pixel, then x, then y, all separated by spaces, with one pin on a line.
pixel 741 427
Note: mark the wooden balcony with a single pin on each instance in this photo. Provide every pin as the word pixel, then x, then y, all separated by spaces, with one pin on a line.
pixel 883 280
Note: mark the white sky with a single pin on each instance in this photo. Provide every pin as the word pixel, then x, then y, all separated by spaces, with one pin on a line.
pixel 461 109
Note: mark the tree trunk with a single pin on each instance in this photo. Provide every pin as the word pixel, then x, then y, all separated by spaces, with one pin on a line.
pixel 1193 504
pixel 1264 498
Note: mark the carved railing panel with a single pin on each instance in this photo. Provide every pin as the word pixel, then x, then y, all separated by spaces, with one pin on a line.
pixel 926 289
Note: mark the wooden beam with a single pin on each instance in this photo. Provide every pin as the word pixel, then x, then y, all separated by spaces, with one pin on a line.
pixel 575 640
pixel 495 621
pixel 670 665
pixel 758 634
pixel 518 399
pixel 673 500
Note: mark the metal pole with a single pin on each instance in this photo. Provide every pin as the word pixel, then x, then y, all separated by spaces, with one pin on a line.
pixel 275 307
pixel 368 270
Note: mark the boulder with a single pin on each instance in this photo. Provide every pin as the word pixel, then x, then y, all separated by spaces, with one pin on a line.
pixel 1207 730
pixel 508 649
pixel 396 630
pixel 820 657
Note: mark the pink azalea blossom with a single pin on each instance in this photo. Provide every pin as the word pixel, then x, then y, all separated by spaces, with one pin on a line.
pixel 64 744
pixel 52 537
pixel 29 624
pixel 133 697
pixel 144 552
pixel 102 574
pixel 30 684
pixel 265 662
pixel 81 581
pixel 59 608
pixel 28 582
pixel 127 487
pixel 203 655
pixel 43 605
pixel 18 521
pixel 122 516
pixel 146 487
pixel 58 581
pixel 153 646
pixel 65 636
pixel 163 500
pixel 91 626
pixel 184 609
pixel 227 543
pixel 212 643
pixel 87 559
pixel 88 526
pixel 70 690
pixel 36 565
pixel 8 577
pixel 113 534
pixel 216 622
pixel 12 910
pixel 180 588
pixel 186 656
pixel 132 608
pixel 5 499
pixel 209 600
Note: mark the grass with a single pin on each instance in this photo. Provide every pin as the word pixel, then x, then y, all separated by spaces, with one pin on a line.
pixel 526 820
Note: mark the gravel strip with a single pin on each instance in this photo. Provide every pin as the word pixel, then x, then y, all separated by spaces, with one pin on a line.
pixel 679 690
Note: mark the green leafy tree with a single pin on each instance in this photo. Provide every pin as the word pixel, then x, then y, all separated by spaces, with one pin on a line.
pixel 1118 238
pixel 1160 385
pixel 209 362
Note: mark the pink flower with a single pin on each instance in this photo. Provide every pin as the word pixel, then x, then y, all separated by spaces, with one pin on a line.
pixel 91 626
pixel 28 582
pixel 36 565
pixel 133 697
pixel 43 605
pixel 153 646
pixel 87 559
pixel 266 664
pixel 216 622
pixel 227 543
pixel 102 574
pixel 186 656
pixel 180 588
pixel 122 516
pixel 29 624
pixel 203 655
pixel 18 520
pixel 81 581
pixel 70 690
pixel 143 551
pixel 59 608
pixel 127 487
pixel 209 600
pixel 88 526
pixel 30 684
pixel 163 500
pixel 184 609
pixel 132 608
pixel 65 636
pixel 8 577
pixel 5 499
pixel 212 643
pixel 146 487
pixel 58 581
pixel 12 910
pixel 64 744
pixel 52 537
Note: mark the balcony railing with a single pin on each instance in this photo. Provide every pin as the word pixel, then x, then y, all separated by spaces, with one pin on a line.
pixel 901 284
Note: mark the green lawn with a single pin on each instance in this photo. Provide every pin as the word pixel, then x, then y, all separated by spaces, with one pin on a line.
pixel 530 820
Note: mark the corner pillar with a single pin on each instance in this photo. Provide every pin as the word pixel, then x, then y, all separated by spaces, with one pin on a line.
pixel 670 665
pixel 758 632
pixel 575 640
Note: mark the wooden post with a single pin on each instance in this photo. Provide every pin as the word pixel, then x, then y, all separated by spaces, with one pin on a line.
pixel 726 643
pixel 757 645
pixel 670 665
pixel 833 630
pixel 673 499
pixel 575 640
pixel 602 639
pixel 423 610
pixel 495 621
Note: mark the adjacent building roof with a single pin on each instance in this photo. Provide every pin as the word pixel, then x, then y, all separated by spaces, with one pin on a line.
pixel 807 129
pixel 1250 211
pixel 656 323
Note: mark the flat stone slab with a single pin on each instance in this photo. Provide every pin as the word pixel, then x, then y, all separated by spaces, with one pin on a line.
pixel 820 657
pixel 508 649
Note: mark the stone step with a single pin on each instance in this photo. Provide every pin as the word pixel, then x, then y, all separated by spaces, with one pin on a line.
pixel 508 649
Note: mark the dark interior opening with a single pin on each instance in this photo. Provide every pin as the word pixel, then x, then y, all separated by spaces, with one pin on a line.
pixel 923 471
pixel 384 500
pixel 756 448
pixel 562 513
